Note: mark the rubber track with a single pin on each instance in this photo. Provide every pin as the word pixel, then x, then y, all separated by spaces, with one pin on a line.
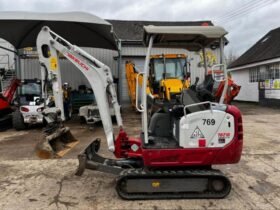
pixel 138 173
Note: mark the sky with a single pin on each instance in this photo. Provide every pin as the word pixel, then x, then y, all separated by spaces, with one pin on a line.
pixel 245 20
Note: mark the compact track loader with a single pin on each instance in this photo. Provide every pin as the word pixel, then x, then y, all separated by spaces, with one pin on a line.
pixel 173 155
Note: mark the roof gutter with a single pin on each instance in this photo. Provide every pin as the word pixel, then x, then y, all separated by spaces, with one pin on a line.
pixel 255 64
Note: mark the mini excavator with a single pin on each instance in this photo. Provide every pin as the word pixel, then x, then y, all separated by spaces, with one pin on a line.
pixel 173 155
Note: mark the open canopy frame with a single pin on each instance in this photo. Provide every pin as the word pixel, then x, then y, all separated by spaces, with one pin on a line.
pixel 192 38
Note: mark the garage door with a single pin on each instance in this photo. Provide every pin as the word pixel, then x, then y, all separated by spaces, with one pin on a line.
pixel 139 63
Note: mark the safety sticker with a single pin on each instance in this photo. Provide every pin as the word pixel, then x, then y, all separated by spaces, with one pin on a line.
pixel 53 63
pixel 224 135
pixel 134 147
pixel 197 133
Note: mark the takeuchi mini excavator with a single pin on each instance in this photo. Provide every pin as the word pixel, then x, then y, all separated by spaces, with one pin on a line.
pixel 173 155
pixel 168 77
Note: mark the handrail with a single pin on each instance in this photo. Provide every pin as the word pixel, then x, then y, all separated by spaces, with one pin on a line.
pixel 225 79
pixel 197 104
pixel 136 97
pixel 212 71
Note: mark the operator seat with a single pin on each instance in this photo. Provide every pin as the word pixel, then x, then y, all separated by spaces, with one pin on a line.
pixel 204 90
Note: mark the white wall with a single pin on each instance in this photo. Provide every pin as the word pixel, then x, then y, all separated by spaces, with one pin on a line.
pixel 249 90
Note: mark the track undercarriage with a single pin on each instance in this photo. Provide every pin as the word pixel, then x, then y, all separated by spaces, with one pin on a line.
pixel 135 181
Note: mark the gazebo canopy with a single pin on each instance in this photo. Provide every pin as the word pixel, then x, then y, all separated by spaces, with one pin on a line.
pixel 82 29
pixel 189 37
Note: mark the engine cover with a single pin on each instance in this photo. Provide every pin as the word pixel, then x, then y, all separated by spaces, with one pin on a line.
pixel 207 128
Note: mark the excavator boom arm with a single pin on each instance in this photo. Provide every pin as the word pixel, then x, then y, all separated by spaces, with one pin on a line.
pixel 98 74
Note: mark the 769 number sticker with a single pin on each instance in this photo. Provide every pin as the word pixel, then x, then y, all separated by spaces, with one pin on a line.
pixel 209 121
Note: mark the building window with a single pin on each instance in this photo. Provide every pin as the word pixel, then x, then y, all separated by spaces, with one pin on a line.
pixel 254 74
pixel 273 71
pixel 262 74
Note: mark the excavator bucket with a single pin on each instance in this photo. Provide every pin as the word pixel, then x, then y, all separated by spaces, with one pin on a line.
pixel 57 144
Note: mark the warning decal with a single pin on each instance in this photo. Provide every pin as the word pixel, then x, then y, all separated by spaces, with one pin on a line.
pixel 197 133
pixel 53 63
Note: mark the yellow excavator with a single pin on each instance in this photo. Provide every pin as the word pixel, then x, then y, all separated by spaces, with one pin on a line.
pixel 168 77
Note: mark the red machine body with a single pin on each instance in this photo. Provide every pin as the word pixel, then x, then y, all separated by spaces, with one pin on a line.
pixel 126 147
pixel 7 96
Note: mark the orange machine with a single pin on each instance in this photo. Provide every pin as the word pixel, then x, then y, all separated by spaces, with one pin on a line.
pixel 232 91
pixel 167 78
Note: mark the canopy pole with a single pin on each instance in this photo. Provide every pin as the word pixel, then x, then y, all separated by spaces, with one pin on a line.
pixel 17 65
pixel 144 92
pixel 205 61
pixel 119 70
pixel 225 70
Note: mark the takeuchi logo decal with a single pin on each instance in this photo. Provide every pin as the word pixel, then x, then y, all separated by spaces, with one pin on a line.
pixel 78 61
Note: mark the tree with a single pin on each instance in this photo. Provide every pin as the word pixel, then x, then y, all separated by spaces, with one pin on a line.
pixel 231 57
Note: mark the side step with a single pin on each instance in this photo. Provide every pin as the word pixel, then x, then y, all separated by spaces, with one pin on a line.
pixel 137 184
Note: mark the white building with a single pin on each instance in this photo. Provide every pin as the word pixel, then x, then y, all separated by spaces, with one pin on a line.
pixel 258 71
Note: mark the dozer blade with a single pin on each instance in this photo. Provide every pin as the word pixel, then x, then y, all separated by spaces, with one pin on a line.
pixel 57 144
pixel 89 159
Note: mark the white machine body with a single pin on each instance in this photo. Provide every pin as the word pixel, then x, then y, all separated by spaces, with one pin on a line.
pixel 33 115
pixel 98 74
pixel 209 128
